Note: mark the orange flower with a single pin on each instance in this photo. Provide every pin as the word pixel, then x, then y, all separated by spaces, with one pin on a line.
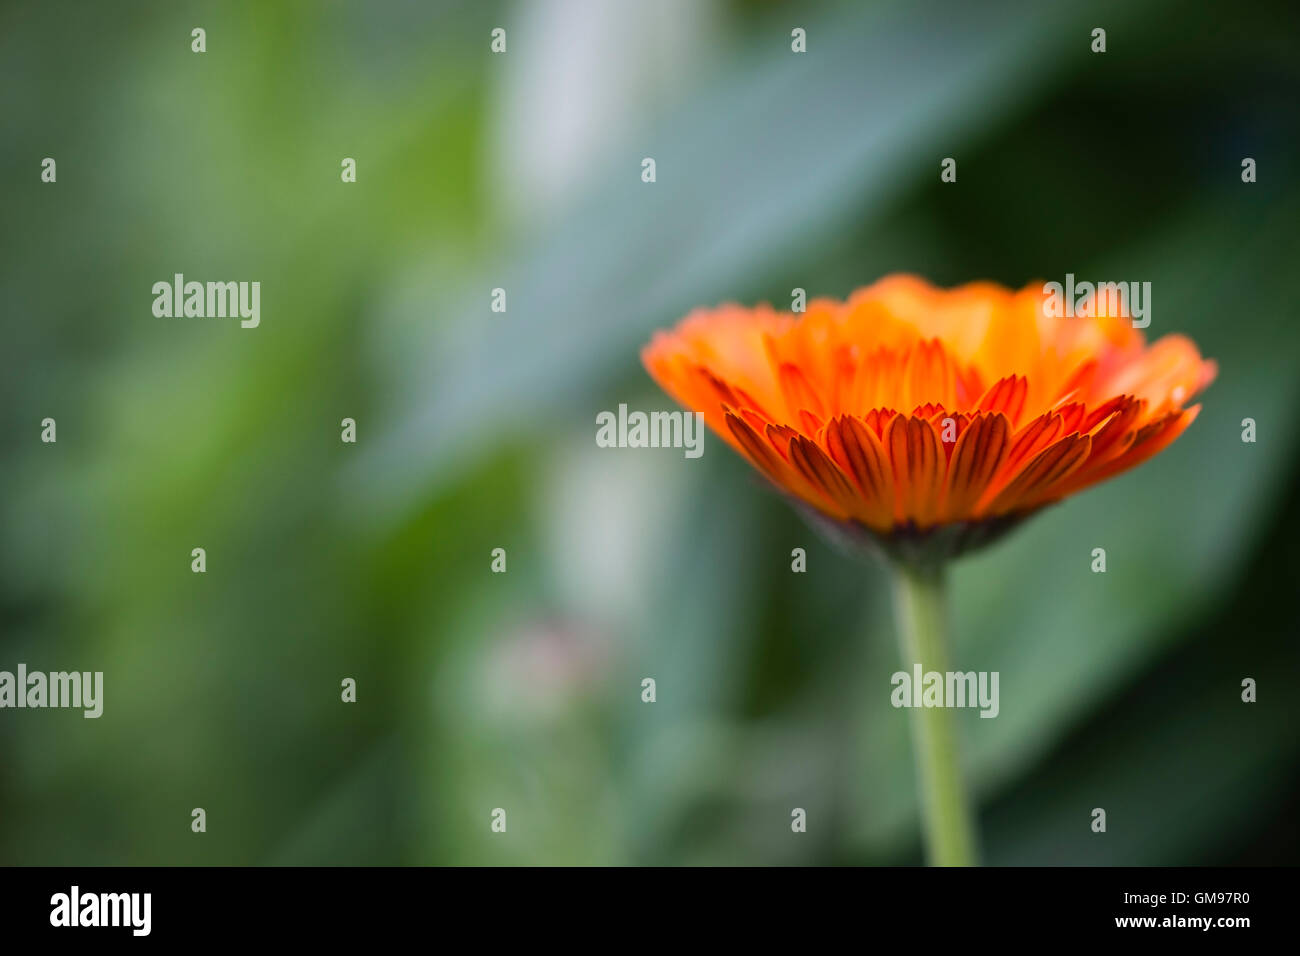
pixel 910 410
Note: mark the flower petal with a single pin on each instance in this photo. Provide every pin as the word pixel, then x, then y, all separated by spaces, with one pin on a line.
pixel 1036 484
pixel 918 465
pixel 979 454
pixel 856 449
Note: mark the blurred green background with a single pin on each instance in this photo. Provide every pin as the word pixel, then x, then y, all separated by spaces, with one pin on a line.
pixel 476 430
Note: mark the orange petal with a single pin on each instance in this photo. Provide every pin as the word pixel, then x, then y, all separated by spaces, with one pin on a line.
pixel 979 454
pixel 759 452
pixel 856 449
pixel 1036 436
pixel 1038 481
pixel 918 465
pixel 799 392
pixel 824 475
pixel 1007 396
pixel 1149 441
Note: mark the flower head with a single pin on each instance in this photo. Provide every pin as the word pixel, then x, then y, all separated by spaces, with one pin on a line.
pixel 930 419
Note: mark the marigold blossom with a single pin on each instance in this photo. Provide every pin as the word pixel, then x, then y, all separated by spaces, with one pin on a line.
pixel 910 410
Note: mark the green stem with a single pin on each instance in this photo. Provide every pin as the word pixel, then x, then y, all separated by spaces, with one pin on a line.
pixel 922 633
